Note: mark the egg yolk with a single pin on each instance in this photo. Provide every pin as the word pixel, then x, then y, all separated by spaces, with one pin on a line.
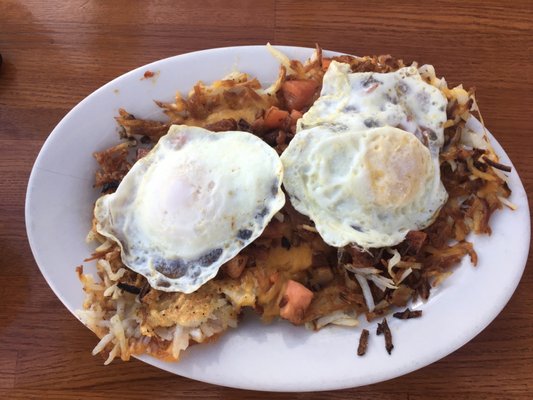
pixel 394 163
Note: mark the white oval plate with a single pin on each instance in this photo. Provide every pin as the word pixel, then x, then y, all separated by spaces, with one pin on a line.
pixel 278 357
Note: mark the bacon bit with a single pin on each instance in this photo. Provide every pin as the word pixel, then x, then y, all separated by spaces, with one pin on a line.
pixel 129 288
pixel 363 342
pixel 496 165
pixel 144 290
pixel 407 314
pixel 477 173
pixel 148 74
pixel 384 328
pixel 223 125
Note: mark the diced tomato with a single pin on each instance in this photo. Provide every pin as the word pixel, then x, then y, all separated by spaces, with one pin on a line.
pixel 295 301
pixel 148 74
pixel 295 116
pixel 299 93
pixel 275 118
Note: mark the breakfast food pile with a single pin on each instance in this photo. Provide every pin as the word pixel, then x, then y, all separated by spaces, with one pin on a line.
pixel 346 188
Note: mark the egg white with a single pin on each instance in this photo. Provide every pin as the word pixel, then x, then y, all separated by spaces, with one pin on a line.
pixel 364 100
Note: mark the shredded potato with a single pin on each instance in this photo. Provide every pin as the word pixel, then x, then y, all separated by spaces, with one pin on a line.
pixel 131 318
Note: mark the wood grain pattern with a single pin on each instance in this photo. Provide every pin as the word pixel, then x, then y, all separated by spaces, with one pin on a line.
pixel 56 53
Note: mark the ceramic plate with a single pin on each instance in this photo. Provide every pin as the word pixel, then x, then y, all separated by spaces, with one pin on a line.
pixel 279 356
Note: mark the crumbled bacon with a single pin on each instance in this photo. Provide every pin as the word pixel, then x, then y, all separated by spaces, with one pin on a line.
pixel 497 165
pixel 363 342
pixel 383 328
pixel 222 125
pixel 408 314
pixel 129 288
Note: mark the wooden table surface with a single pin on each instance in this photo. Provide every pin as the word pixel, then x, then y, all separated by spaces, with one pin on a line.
pixel 57 52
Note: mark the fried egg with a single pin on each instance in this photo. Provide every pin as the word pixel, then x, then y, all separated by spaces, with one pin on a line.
pixel 364 100
pixel 366 187
pixel 191 204
pixel 364 164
